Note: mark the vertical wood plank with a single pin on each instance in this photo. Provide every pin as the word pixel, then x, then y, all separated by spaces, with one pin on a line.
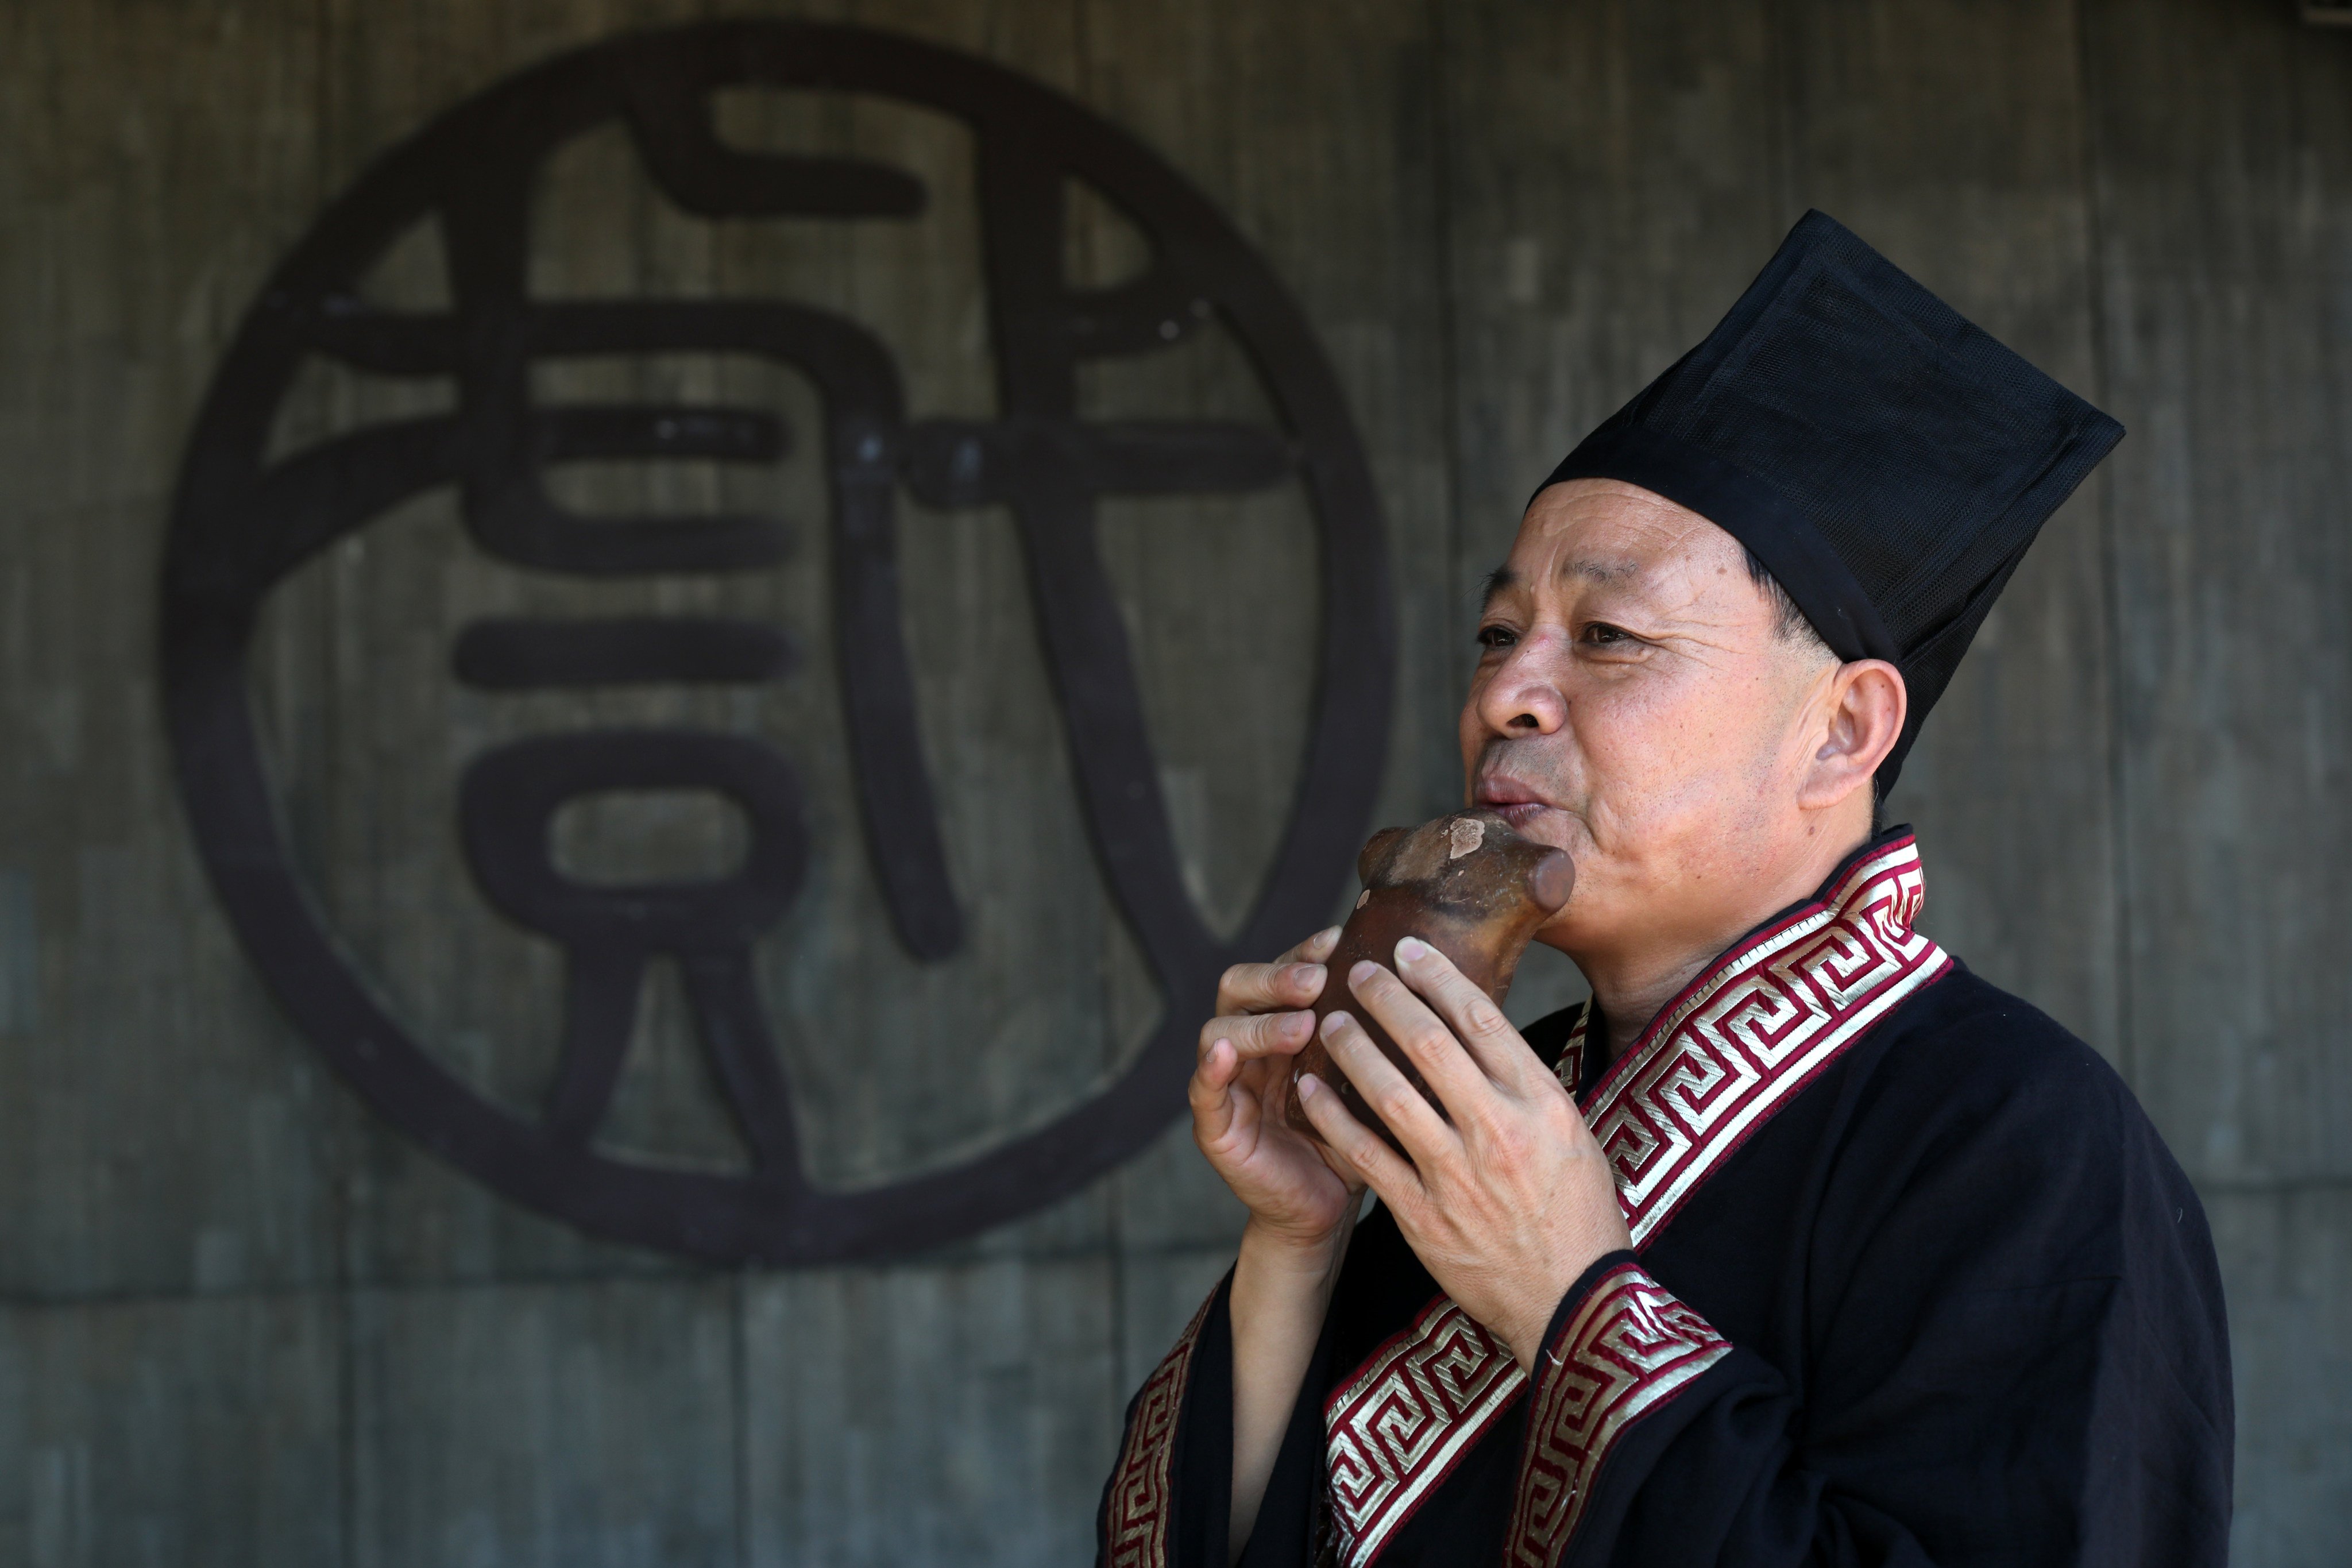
pixel 2225 185
pixel 2223 138
pixel 2287 1259
pixel 172 1431
pixel 1951 137
pixel 158 1133
pixel 929 1414
pixel 544 1426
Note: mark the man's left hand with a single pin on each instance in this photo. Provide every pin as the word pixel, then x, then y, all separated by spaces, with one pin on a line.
pixel 1507 1198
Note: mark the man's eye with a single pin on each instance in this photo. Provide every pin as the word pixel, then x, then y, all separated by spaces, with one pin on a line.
pixel 1496 636
pixel 1604 633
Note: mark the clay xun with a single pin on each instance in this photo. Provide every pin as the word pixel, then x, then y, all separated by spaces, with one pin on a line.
pixel 1468 885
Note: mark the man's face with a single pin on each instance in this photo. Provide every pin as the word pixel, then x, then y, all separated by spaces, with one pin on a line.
pixel 1635 705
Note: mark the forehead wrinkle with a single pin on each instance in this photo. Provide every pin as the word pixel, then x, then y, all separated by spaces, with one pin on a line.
pixel 1604 572
pixel 1672 590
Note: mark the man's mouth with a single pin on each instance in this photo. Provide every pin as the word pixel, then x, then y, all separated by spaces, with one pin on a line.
pixel 1513 801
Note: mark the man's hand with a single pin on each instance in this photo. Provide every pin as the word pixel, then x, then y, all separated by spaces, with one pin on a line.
pixel 1241 1089
pixel 1302 1202
pixel 1507 1198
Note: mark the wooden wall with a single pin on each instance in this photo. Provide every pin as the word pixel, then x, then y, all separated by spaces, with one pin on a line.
pixel 241 1322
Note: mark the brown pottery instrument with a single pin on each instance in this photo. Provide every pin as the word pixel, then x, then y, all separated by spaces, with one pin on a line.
pixel 1468 885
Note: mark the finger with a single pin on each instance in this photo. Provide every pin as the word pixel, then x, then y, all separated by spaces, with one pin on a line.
pixel 1339 1165
pixel 1211 1093
pixel 1461 1085
pixel 1291 981
pixel 1499 1050
pixel 1376 1164
pixel 1256 1034
pixel 1391 1095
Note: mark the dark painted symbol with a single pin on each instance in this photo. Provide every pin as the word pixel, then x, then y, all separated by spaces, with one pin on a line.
pixel 242 522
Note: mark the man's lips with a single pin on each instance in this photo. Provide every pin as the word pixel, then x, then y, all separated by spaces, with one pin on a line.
pixel 1515 802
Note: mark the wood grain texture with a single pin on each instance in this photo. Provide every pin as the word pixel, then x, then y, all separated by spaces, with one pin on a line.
pixel 247 1322
pixel 961 1413
pixel 544 1426
pixel 1951 137
pixel 2287 1257
pixel 188 1430
pixel 157 1132
pixel 2225 208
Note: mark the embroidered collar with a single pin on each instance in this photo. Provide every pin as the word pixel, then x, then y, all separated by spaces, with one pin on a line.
pixel 1762 1021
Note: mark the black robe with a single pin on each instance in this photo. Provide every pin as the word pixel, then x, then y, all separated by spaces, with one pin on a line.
pixel 1933 1291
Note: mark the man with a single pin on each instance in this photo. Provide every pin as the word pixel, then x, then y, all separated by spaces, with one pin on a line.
pixel 1800 1243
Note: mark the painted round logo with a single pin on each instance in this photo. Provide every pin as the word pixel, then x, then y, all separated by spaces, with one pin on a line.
pixel 247 516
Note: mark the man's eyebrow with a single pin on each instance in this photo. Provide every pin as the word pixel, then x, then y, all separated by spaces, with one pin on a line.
pixel 1500 578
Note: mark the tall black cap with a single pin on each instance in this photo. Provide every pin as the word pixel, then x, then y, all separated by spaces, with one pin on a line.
pixel 1887 461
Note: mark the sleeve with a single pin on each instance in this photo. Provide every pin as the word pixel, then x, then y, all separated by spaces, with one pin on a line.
pixel 1619 1347
pixel 1169 1501
pixel 2013 1351
pixel 1168 1495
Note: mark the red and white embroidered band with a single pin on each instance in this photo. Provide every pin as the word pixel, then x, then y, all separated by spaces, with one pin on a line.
pixel 1754 1030
pixel 1142 1498
pixel 1398 1427
pixel 1631 1347
pixel 1736 1045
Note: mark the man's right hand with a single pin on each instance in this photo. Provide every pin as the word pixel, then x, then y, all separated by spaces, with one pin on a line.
pixel 1301 1201
pixel 1296 1195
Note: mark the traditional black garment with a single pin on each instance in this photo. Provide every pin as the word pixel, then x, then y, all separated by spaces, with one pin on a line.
pixel 1914 1282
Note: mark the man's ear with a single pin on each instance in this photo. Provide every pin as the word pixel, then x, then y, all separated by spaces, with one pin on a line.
pixel 1864 705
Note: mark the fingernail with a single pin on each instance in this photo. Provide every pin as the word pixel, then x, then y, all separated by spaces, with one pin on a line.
pixel 1297 1026
pixel 1332 1023
pixel 1307 1087
pixel 1365 969
pixel 1412 949
pixel 1305 973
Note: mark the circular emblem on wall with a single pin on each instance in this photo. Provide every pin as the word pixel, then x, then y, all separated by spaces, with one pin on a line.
pixel 247 518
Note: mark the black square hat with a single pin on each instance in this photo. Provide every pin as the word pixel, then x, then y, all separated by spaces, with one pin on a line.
pixel 1887 461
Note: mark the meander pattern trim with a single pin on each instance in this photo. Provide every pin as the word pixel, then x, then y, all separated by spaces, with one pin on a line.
pixel 1142 1494
pixel 1571 1066
pixel 1397 1429
pixel 1756 1029
pixel 1716 1066
pixel 1629 1349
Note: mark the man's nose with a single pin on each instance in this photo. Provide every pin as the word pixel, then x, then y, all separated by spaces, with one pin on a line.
pixel 1525 697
